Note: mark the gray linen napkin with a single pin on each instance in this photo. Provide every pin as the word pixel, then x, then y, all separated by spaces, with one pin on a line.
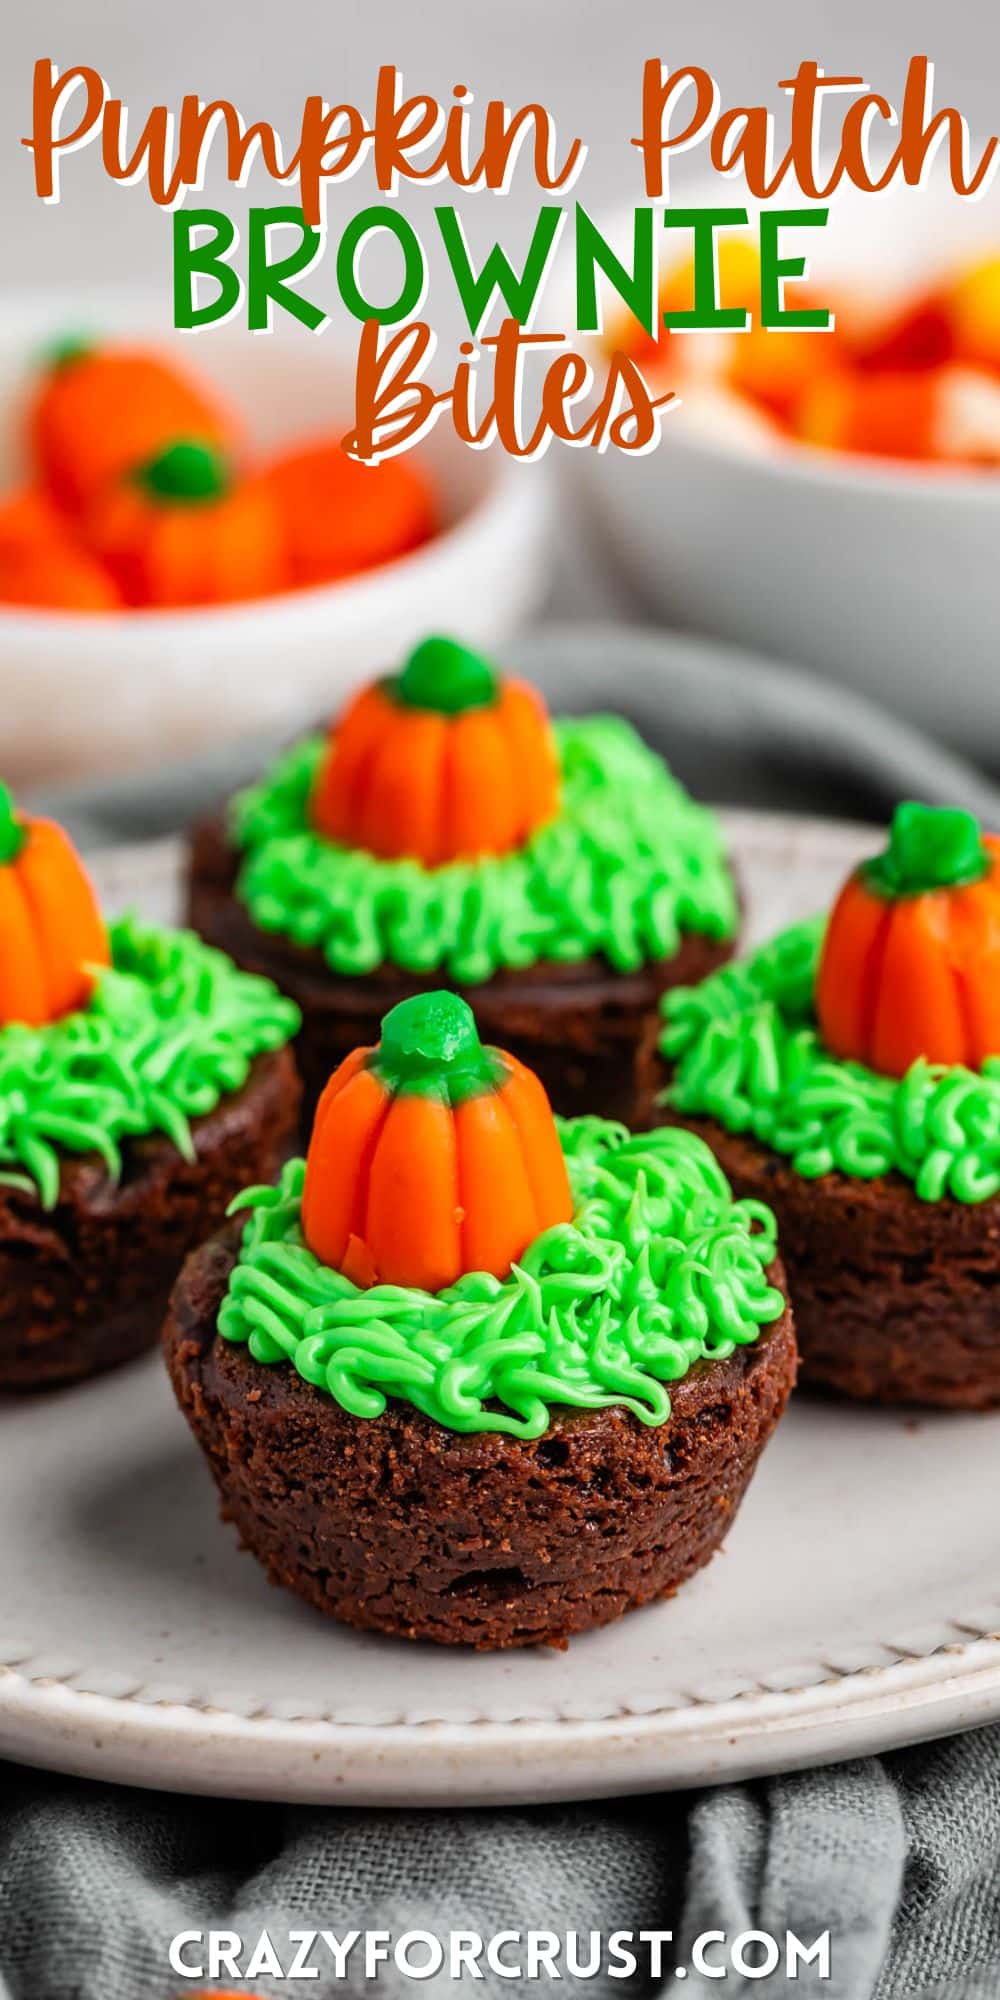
pixel 899 1857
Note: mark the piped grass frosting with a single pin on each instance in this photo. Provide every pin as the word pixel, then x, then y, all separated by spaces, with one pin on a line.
pixel 658 1269
pixel 745 1049
pixel 628 864
pixel 170 1028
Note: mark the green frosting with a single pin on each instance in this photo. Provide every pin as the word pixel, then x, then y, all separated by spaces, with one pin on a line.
pixel 746 1051
pixel 628 865
pixel 659 1269
pixel 930 847
pixel 171 1028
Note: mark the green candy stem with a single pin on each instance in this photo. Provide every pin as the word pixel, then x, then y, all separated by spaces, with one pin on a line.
pixel 430 1046
pixel 930 847
pixel 443 676
pixel 13 832
pixel 185 471
pixel 64 352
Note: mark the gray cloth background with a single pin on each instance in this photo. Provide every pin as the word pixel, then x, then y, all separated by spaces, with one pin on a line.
pixel 899 1856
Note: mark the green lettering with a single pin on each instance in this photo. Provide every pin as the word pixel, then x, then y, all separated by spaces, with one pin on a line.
pixel 703 223
pixel 411 291
pixel 204 260
pixel 498 274
pixel 774 269
pixel 267 280
pixel 636 287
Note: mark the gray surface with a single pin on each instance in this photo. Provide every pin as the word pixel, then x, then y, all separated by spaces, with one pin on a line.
pixel 898 1856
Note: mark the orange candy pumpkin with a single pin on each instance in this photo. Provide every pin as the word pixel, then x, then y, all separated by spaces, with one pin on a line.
pixel 179 531
pixel 29 518
pixel 431 1156
pixel 442 763
pixel 101 411
pixel 51 931
pixel 340 517
pixel 910 965
pixel 41 563
pixel 56 577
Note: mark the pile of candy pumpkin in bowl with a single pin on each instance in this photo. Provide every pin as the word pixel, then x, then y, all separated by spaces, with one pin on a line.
pixel 143 494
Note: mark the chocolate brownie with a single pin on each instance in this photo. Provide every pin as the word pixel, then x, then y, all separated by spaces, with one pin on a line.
pixel 84 1285
pixel 575 1024
pixel 896 1299
pixel 399 1525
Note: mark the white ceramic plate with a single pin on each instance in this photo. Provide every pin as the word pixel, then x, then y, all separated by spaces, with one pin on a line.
pixel 856 1605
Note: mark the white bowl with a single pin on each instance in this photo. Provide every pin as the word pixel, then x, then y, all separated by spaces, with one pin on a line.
pixel 84 693
pixel 882 576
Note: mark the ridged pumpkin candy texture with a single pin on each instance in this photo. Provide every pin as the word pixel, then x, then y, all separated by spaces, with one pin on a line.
pixel 51 932
pixel 910 965
pixel 180 530
pixel 42 564
pixel 101 411
pixel 446 761
pixel 341 517
pixel 431 1156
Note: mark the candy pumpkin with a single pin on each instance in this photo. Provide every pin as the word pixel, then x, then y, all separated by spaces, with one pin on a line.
pixel 56 577
pixel 444 762
pixel 431 1155
pixel 42 565
pixel 100 411
pixel 51 932
pixel 910 965
pixel 340 517
pixel 179 530
pixel 28 518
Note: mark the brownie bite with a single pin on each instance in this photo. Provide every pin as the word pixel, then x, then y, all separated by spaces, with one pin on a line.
pixel 474 1375
pixel 555 874
pixel 848 1075
pixel 84 1283
pixel 143 1080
